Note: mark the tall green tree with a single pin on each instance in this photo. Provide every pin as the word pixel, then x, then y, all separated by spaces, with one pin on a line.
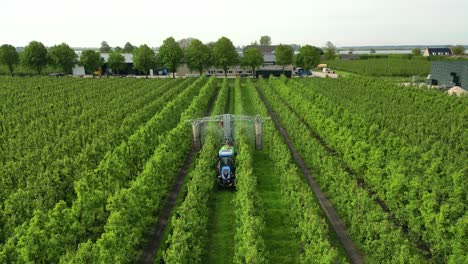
pixel 284 55
pixel 170 55
pixel 9 57
pixel 199 56
pixel 35 56
pixel 265 40
pixel 307 58
pixel 330 51
pixel 144 59
pixel 91 60
pixel 128 48
pixel 225 54
pixel 416 52
pixel 458 50
pixel 252 58
pixel 105 48
pixel 63 56
pixel 116 61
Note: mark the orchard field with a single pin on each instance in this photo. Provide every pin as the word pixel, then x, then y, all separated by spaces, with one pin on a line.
pixel 352 170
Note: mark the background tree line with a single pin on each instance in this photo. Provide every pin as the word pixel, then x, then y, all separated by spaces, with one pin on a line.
pixel 195 54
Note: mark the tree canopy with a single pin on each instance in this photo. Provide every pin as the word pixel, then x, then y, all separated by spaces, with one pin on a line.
pixel 91 60
pixel 416 52
pixel 105 48
pixel 265 40
pixel 308 57
pixel 128 48
pixel 9 57
pixel 225 54
pixel 170 55
pixel 330 51
pixel 63 56
pixel 458 50
pixel 284 55
pixel 116 61
pixel 144 59
pixel 199 56
pixel 35 56
pixel 252 58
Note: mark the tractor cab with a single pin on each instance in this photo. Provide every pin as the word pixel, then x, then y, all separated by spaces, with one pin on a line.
pixel 226 166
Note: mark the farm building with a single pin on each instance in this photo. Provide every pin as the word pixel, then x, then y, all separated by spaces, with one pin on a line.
pixel 437 52
pixel 450 73
pixel 128 69
pixel 269 66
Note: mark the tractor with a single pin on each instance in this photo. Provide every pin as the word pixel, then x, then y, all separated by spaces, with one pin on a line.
pixel 226 169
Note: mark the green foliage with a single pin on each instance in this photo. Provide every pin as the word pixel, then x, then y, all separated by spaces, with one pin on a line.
pixel 189 236
pixel 144 59
pixel 116 61
pixel 416 52
pixel 307 58
pixel 35 56
pixel 9 57
pixel 63 56
pixel 129 104
pixel 252 58
pixel 284 55
pixel 383 67
pixel 371 126
pixel 458 50
pixel 307 220
pixel 265 40
pixel 91 60
pixel 250 246
pixel 367 223
pixel 105 48
pixel 225 54
pixel 330 51
pixel 170 55
pixel 131 209
pixel 199 56
pixel 128 48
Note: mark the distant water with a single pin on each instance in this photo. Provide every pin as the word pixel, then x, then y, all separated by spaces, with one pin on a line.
pixel 378 51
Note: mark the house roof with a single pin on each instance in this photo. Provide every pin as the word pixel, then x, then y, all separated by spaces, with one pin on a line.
pixel 437 50
pixel 128 56
pixel 263 49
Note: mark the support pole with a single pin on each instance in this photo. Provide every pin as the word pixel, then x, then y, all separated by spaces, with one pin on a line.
pixel 196 130
pixel 258 133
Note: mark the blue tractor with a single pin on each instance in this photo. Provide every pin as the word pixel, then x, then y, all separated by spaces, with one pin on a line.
pixel 226 167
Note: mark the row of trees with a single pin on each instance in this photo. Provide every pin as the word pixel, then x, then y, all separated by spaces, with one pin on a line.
pixel 197 55
pixel 36 56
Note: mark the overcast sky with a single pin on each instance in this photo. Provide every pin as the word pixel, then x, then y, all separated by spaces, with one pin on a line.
pixel 86 23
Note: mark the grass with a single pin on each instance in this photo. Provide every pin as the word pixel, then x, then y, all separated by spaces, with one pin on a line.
pixel 221 227
pixel 282 245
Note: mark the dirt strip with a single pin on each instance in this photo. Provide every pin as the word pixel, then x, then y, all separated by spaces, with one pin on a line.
pixel 154 241
pixel 338 226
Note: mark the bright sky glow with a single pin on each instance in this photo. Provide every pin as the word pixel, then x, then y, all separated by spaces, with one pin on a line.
pixel 86 23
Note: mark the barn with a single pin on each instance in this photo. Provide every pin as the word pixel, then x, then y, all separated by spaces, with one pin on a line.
pixel 450 73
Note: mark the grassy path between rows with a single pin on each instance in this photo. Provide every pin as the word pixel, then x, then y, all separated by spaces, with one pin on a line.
pixel 222 220
pixel 279 239
pixel 282 245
